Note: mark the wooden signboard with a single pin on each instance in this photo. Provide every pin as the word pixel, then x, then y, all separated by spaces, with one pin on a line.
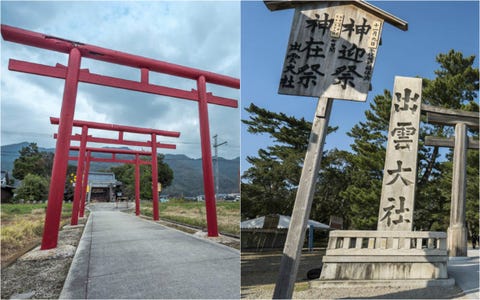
pixel 330 55
pixel 331 52
pixel 400 173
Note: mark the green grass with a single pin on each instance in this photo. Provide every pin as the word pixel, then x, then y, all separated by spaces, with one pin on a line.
pixel 193 213
pixel 20 209
pixel 24 209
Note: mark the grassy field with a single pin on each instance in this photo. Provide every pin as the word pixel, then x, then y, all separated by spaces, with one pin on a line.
pixel 193 213
pixel 22 225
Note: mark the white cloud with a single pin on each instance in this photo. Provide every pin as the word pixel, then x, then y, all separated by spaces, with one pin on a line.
pixel 198 34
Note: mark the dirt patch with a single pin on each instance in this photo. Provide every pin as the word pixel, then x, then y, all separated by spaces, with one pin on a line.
pixel 40 278
pixel 261 268
pixel 221 239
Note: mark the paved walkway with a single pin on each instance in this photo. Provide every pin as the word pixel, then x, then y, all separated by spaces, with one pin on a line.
pixel 123 256
pixel 465 271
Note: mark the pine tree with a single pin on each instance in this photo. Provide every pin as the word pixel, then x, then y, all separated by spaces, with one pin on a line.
pixel 272 180
pixel 455 86
pixel 365 169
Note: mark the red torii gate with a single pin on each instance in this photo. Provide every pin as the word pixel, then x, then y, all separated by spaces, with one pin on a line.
pixel 89 158
pixel 73 74
pixel 84 138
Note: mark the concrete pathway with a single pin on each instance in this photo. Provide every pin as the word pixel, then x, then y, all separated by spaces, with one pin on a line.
pixel 465 271
pixel 123 256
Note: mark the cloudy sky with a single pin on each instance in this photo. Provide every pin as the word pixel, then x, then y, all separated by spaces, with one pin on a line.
pixel 200 34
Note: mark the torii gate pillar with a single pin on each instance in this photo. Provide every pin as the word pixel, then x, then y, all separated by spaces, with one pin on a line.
pixel 457 230
pixel 60 163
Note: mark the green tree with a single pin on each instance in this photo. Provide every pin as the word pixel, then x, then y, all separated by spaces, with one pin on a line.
pixel 332 180
pixel 455 86
pixel 126 174
pixel 33 188
pixel 32 161
pixel 365 165
pixel 271 182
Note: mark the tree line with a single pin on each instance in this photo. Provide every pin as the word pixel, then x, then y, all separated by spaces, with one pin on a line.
pixel 33 168
pixel 349 184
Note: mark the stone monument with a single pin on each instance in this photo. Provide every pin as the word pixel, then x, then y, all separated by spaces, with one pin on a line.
pixel 394 253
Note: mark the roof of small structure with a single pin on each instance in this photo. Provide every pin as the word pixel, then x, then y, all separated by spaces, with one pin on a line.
pixel 4 179
pixel 389 18
pixel 283 222
pixel 102 179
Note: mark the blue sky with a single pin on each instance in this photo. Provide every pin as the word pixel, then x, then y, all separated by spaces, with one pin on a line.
pixel 203 35
pixel 434 27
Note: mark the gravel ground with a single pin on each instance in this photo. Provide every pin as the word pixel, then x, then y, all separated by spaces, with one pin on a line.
pixel 304 291
pixel 39 276
pixel 381 293
pixel 260 270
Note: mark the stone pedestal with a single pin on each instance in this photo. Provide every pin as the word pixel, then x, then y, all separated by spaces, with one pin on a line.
pixel 386 255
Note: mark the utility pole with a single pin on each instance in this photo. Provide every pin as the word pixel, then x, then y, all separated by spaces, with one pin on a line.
pixel 216 145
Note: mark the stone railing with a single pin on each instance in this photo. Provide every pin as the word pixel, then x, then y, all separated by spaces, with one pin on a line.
pixel 371 243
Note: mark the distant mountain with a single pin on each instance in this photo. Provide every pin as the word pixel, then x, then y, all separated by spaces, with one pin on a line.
pixel 11 152
pixel 188 178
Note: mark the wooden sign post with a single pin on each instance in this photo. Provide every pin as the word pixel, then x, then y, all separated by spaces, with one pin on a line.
pixel 330 54
pixel 457 231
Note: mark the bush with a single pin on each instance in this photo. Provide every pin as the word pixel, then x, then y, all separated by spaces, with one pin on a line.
pixel 33 187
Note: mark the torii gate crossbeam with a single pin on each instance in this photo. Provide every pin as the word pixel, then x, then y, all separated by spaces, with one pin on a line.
pixel 73 74
pixel 121 129
pixel 137 162
pixel 81 182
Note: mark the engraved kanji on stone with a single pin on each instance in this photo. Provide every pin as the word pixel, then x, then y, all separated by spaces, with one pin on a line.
pixel 389 210
pixel 397 173
pixel 407 102
pixel 403 133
